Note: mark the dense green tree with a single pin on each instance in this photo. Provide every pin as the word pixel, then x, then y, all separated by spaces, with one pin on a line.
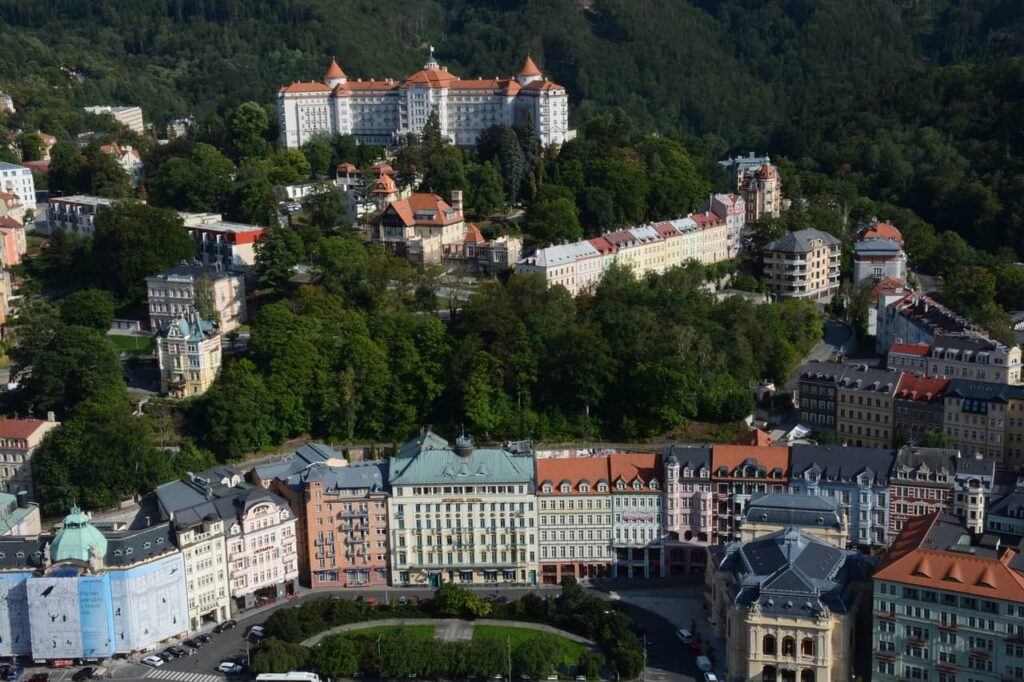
pixel 326 206
pixel 247 127
pixel 554 221
pixel 31 146
pixel 134 240
pixel 253 199
pixel 288 166
pixel 92 308
pixel 201 181
pixel 484 194
pixel 277 254
pixel 237 415
pixel 107 178
pixel 318 153
pixel 69 169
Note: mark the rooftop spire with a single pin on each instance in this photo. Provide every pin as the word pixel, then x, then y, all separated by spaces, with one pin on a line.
pixel 529 68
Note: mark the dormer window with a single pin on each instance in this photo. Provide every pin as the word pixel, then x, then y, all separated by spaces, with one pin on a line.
pixel 620 485
pixel 637 485
pixel 653 484
pixel 546 488
pixel 564 488
pixel 602 487
pixel 687 473
pixel 584 488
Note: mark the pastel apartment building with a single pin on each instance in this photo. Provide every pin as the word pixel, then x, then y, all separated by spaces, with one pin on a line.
pixel 737 473
pixel 75 214
pixel 18 180
pixel 13 243
pixel 230 245
pixel 689 509
pixel 714 231
pixel 913 318
pixel 382 111
pixel 875 259
pixel 19 438
pixel 638 525
pixel 948 606
pixel 732 209
pixel 173 293
pixel 189 354
pixel 865 406
pixel 574 503
pixel 803 264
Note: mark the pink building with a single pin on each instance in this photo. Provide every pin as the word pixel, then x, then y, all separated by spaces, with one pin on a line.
pixel 688 509
pixel 262 559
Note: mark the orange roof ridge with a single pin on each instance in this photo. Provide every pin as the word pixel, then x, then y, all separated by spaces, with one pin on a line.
pixel 334 71
pixel 473 233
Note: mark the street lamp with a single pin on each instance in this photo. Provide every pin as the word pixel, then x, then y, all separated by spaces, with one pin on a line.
pixel 380 660
pixel 645 658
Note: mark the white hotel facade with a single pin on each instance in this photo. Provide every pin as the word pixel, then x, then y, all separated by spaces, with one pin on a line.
pixel 382 111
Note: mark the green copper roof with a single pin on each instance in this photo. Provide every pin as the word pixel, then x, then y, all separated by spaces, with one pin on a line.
pixel 76 538
pixel 430 459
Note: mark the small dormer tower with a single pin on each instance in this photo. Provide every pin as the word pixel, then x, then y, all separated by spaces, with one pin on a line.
pixel 334 76
pixel 528 72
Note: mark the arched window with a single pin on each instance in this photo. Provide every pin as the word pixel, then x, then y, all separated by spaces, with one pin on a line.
pixel 807 647
pixel 768 673
pixel 788 646
pixel 768 645
pixel 807 676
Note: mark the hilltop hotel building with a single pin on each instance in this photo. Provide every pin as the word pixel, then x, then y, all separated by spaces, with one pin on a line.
pixel 381 111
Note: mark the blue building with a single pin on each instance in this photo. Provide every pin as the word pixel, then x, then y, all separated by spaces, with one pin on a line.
pixel 856 478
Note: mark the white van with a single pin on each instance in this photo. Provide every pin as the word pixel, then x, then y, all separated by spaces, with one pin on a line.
pixel 684 636
pixel 704 664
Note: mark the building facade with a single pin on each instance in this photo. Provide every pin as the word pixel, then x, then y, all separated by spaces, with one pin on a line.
pixel 423 228
pixel 855 479
pixel 922 482
pixel 130 117
pixel 919 406
pixel 19 438
pixel 969 355
pixel 786 606
pixel 770 513
pixel 574 502
pixel 18 180
pixel 817 397
pixel 733 210
pixel 737 473
pixel 461 514
pixel 865 406
pixel 802 264
pixel 976 414
pixel 948 606
pixel 761 190
pixel 201 542
pixel 179 290
pixel 75 214
pixel 638 521
pixel 382 112
pixel 875 259
pixel 231 246
pixel 689 507
pixel 189 354
pixel 343 521
pixel 913 318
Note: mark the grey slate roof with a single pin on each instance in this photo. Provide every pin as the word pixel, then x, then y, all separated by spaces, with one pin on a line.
pixel 368 476
pixel 790 572
pixel 863 378
pixel 983 390
pixel 687 457
pixel 205 496
pixel 822 371
pixel 842 464
pixel 429 459
pixel 309 453
pixel 877 245
pixel 976 466
pixel 936 459
pixel 124 548
pixel 800 241
pixel 793 510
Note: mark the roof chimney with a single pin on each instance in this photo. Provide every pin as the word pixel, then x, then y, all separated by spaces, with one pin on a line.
pixel 457 200
pixel 51 417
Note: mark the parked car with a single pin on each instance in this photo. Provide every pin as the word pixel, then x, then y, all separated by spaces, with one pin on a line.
pixel 166 656
pixel 83 674
pixel 14 672
pixel 178 651
pixel 204 638
pixel 154 661
pixel 226 625
pixel 194 643
pixel 684 636
pixel 40 677
pixel 229 668
pixel 704 664
pixel 710 677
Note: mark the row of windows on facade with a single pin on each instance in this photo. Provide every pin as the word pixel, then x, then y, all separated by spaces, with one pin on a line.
pixel 464 490
pixel 462 558
pixel 467 576
pixel 588 552
pixel 496 539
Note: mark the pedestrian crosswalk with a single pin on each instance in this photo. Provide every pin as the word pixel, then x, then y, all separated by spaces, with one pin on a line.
pixel 181 676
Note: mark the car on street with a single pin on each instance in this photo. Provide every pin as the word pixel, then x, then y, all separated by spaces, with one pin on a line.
pixel 710 677
pixel 255 631
pixel 194 643
pixel 14 672
pixel 204 638
pixel 40 677
pixel 229 668
pixel 226 625
pixel 684 636
pixel 704 664
pixel 166 656
pixel 154 661
pixel 83 674
pixel 178 651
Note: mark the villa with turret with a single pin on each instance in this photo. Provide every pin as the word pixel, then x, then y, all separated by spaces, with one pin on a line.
pixel 382 111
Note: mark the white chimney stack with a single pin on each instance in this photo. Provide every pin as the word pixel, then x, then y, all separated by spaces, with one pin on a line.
pixel 457 200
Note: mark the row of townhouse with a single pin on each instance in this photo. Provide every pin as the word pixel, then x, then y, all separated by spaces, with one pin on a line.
pixel 438 512
pixel 872 407
pixel 705 237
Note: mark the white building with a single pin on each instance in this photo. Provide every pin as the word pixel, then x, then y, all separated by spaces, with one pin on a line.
pixel 231 246
pixel 381 111
pixel 877 258
pixel 461 514
pixel 638 520
pixel 17 180
pixel 75 214
pixel 130 117
pixel 127 158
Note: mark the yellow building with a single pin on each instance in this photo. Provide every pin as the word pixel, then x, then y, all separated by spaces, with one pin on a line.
pixel 803 264
pixel 714 237
pixel 189 353
pixel 865 407
pixel 794 618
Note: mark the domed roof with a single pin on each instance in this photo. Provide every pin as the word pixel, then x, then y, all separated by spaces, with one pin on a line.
pixel 334 71
pixel 529 68
pixel 77 538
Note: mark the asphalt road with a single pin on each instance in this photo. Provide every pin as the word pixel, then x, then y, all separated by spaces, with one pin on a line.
pixel 659 606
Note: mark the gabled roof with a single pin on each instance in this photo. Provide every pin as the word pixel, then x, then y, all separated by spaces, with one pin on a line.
pixel 574 470
pixel 771 459
pixel 304 88
pixel 473 234
pixel 693 458
pixel 842 464
pixel 921 389
pixel 758 437
pixel 424 209
pixel 800 241
pixel 632 466
pixel 20 428
pixel 864 378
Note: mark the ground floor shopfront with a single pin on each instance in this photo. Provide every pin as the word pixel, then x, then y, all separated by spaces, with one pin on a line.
pixel 265 595
pixel 685 558
pixel 638 562
pixel 465 575
pixel 350 577
pixel 552 573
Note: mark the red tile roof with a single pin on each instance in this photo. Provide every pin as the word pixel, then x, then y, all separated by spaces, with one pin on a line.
pixel 385 185
pixel 925 389
pixel 432 78
pixel 334 71
pixel 630 466
pixel 347 168
pixel 574 470
pixel 707 219
pixel 919 348
pixel 301 88
pixel 10 223
pixel 19 428
pixel 882 231
pixel 733 456
pixel 603 245
pixel 415 210
pixel 757 437
pixel 529 68
pixel 912 560
pixel 473 234
pixel 542 85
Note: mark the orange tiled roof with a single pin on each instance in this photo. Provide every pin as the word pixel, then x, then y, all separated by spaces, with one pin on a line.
pixel 910 560
pixel 915 387
pixel 882 231
pixel 385 185
pixel 542 85
pixel 300 88
pixel 732 456
pixel 529 68
pixel 423 203
pixel 919 348
pixel 632 465
pixel 19 428
pixel 473 234
pixel 334 71
pixel 757 437
pixel 574 470
pixel 347 168
pixel 10 223
pixel 432 78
